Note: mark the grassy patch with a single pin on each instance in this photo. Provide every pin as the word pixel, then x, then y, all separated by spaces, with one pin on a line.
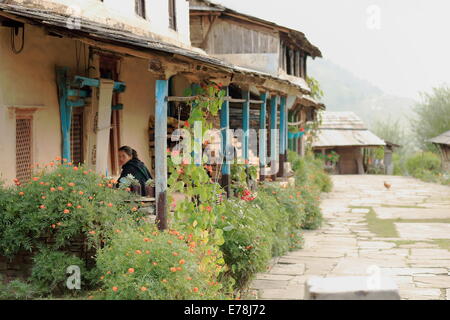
pixel 399 206
pixel 443 243
pixel 383 228
pixel 399 243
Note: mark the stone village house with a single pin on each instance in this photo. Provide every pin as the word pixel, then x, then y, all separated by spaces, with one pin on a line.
pixel 81 78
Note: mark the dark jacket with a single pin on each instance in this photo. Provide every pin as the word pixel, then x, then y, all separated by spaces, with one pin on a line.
pixel 138 169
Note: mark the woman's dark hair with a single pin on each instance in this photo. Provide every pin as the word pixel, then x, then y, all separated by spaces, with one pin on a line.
pixel 129 151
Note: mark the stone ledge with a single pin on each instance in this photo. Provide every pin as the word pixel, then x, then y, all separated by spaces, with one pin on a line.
pixel 350 288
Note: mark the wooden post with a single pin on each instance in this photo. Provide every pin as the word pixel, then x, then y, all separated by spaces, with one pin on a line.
pixel 161 153
pixel 226 145
pixel 246 124
pixel 273 135
pixel 103 125
pixel 64 110
pixel 262 136
pixel 283 132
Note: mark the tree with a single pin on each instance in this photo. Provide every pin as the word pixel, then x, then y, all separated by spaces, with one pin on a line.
pixel 432 115
pixel 389 130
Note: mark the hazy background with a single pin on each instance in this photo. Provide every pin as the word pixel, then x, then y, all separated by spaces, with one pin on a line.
pixel 368 69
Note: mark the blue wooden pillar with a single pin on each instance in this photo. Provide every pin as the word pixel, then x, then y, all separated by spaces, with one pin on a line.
pixel 283 135
pixel 65 110
pixel 273 132
pixel 246 125
pixel 162 87
pixel 262 136
pixel 226 144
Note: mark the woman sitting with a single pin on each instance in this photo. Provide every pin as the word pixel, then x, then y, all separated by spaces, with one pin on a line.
pixel 128 159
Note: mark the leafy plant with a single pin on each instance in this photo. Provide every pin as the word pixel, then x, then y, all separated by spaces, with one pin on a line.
pixel 143 263
pixel 49 270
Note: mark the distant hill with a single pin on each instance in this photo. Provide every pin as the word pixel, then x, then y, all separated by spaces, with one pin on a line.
pixel 343 91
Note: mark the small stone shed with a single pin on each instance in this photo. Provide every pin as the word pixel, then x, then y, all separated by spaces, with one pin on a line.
pixel 443 143
pixel 347 135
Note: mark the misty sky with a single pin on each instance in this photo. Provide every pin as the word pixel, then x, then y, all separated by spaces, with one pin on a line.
pixel 409 53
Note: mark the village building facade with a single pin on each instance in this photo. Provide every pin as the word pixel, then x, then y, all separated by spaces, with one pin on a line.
pixel 443 143
pixel 79 81
pixel 345 134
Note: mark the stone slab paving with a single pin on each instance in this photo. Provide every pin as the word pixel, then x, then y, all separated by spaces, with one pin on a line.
pixel 347 245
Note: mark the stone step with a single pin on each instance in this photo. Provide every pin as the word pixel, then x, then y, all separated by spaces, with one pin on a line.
pixel 351 288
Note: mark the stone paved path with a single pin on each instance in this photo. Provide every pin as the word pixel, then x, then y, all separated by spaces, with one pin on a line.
pixel 405 232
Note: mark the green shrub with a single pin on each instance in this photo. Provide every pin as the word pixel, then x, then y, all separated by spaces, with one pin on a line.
pixel 423 165
pixel 59 205
pixel 248 236
pixel 18 290
pixel 309 171
pixel 49 272
pixel 142 263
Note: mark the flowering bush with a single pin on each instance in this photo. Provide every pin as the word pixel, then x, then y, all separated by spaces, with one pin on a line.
pixel 60 204
pixel 143 263
pixel 247 241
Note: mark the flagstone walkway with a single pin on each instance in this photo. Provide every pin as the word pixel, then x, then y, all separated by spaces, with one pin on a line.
pixel 403 232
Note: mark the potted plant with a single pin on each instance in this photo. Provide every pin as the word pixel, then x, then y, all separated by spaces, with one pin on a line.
pixel 150 188
pixel 131 182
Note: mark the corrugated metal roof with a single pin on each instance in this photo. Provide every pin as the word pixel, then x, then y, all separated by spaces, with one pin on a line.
pixel 344 129
pixel 442 139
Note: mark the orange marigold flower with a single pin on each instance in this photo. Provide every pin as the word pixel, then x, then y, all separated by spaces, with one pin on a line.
pixel 179 268
pixel 155 263
pixel 189 278
pixel 42 206
pixel 115 289
pixel 131 270
pixel 71 184
pixel 143 289
pixel 147 251
pixel 138 251
pixel 43 197
pixel 195 289
pixel 75 168
pixel 53 226
pixel 146 240
pixel 60 188
pixel 182 261
pixel 92 232
pixel 66 211
pixel 69 204
pixel 52 189
pixel 35 179
pixel 134 209
pixel 173 269
pixel 175 254
pixel 21 193
pixel 110 204
pixel 118 231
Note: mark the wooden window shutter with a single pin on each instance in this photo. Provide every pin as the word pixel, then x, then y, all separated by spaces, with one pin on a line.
pixel 24 157
pixel 76 136
pixel 172 15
